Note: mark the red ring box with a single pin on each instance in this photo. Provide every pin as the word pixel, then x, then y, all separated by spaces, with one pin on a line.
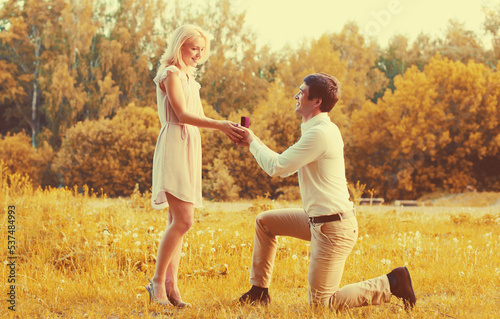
pixel 245 121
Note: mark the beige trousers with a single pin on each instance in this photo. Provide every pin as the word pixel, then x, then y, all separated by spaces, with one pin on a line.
pixel 331 243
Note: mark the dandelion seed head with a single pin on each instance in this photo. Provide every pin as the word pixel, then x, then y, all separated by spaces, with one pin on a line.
pixel 151 228
pixel 134 235
pixel 212 250
pixel 294 256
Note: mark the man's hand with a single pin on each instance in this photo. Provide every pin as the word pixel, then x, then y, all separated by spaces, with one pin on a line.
pixel 248 137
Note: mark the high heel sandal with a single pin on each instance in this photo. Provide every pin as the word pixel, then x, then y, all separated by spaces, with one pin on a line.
pixel 150 289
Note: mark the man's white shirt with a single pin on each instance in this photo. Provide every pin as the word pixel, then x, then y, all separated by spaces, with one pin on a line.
pixel 318 156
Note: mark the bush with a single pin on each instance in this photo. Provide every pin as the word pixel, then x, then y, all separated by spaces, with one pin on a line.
pixel 19 156
pixel 113 155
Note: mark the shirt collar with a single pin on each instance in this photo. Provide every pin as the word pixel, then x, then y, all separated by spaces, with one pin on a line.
pixel 321 117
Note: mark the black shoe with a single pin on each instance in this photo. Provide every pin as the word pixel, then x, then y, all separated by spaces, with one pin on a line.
pixel 255 296
pixel 402 287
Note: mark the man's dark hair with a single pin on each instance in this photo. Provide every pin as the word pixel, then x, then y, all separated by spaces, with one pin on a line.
pixel 325 87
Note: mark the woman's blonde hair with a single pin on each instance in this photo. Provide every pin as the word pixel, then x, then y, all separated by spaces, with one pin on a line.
pixel 173 53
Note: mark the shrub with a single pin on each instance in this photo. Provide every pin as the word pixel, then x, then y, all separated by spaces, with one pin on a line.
pixel 19 156
pixel 113 155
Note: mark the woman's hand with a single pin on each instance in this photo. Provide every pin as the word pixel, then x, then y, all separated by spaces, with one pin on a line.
pixel 232 130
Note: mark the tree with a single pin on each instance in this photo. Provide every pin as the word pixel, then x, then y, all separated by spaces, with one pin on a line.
pixel 437 130
pixel 237 74
pixel 492 26
pixel 25 27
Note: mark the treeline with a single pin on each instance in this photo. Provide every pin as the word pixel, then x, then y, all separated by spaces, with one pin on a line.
pixel 78 102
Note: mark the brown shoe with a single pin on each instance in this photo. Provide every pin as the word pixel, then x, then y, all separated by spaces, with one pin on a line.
pixel 403 289
pixel 255 296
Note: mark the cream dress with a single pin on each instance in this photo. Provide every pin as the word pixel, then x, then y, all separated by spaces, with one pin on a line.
pixel 177 157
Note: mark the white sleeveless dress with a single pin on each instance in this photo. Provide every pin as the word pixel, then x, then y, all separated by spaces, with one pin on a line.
pixel 177 157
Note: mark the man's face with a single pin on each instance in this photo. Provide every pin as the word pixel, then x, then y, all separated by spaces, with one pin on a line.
pixel 304 106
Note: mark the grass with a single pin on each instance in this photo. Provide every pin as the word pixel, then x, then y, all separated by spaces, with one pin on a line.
pixel 87 256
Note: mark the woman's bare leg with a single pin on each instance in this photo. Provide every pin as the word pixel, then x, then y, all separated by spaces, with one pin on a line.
pixel 171 243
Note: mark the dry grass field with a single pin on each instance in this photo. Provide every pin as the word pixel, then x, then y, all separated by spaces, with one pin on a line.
pixel 79 255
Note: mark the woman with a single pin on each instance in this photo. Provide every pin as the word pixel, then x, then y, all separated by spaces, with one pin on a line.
pixel 177 157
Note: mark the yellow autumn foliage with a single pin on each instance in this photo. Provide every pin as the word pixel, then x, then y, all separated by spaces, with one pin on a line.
pixel 19 156
pixel 112 155
pixel 437 131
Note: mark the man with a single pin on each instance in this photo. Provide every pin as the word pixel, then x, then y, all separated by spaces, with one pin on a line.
pixel 327 218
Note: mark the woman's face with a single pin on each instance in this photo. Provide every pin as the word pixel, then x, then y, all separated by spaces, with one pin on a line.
pixel 192 49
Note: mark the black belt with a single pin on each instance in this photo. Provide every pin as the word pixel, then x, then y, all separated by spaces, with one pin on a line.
pixel 330 218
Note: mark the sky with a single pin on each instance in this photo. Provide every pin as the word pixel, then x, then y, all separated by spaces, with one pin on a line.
pixel 280 22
